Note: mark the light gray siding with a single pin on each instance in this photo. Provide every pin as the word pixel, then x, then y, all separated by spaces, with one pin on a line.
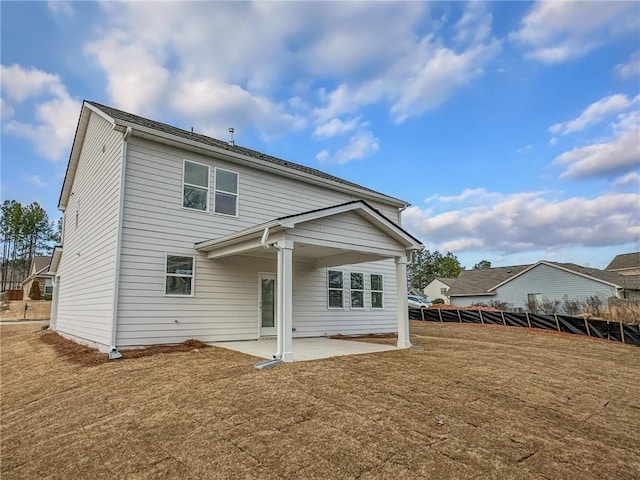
pixel 87 266
pixel 225 301
pixel 552 283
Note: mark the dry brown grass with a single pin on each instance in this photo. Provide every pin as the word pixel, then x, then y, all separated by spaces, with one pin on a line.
pixel 469 403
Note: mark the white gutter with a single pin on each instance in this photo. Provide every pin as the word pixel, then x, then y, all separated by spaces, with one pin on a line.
pixel 265 237
pixel 114 353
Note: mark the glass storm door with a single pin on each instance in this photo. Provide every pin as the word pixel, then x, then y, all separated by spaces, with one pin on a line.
pixel 267 304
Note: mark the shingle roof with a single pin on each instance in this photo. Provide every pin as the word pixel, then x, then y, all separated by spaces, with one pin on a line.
pixel 625 260
pixel 199 138
pixel 446 280
pixel 41 262
pixel 479 282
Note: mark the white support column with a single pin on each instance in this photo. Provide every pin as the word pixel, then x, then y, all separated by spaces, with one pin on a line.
pixel 285 299
pixel 401 300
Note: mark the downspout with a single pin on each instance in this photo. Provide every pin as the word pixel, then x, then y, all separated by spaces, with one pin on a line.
pixel 113 350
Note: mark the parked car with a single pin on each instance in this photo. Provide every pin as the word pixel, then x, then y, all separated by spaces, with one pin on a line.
pixel 415 301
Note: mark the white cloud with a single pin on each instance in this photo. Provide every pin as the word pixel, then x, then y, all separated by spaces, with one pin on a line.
pixel 323 155
pixel 631 68
pixel 366 52
pixel 595 113
pixel 55 126
pixel 616 156
pixel 136 78
pixel 231 106
pixel 35 180
pixel 360 145
pixel 6 111
pixel 60 7
pixel 55 113
pixel 20 83
pixel 631 179
pixel 335 127
pixel 524 149
pixel 556 31
pixel 509 224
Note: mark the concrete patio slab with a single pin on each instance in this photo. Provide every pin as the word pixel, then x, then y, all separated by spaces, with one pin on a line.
pixel 306 348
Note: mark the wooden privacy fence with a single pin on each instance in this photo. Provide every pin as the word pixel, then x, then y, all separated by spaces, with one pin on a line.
pixel 615 331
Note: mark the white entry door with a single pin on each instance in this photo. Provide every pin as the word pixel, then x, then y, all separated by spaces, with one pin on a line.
pixel 267 304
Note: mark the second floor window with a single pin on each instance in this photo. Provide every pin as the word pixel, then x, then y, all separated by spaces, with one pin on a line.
pixel 226 197
pixel 195 186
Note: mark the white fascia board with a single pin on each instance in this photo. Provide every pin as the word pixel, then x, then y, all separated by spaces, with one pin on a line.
pixel 364 211
pixel 150 133
pixel 256 231
pixel 55 259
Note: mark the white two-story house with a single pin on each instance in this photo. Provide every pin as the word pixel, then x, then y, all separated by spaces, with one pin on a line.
pixel 170 235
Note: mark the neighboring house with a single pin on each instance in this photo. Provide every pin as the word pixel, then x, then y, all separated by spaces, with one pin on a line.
pixel 39 272
pixel 170 235
pixel 625 264
pixel 439 288
pixel 521 284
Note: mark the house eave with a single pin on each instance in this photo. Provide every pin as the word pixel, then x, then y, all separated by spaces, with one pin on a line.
pixel 237 157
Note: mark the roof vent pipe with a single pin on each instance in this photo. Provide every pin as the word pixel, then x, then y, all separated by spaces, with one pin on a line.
pixel 231 140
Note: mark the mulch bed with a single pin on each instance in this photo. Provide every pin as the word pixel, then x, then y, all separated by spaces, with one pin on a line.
pixel 87 356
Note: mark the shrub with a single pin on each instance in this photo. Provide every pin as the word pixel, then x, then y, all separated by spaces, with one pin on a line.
pixel 571 307
pixel 48 297
pixel 34 292
pixel 438 301
pixel 549 307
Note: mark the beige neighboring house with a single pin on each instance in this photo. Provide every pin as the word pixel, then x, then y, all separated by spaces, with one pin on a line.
pixel 625 264
pixel 439 288
pixel 39 272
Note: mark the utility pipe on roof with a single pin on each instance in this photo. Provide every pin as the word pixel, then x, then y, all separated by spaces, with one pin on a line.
pixel 265 237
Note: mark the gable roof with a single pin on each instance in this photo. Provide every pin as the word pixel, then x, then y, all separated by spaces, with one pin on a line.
pixel 625 261
pixel 41 263
pixel 487 281
pixel 290 221
pixel 446 280
pixel 145 127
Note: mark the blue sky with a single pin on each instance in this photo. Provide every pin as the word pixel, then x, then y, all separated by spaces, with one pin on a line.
pixel 511 127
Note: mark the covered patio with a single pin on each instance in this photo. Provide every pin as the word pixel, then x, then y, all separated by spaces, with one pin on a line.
pixel 306 348
pixel 345 234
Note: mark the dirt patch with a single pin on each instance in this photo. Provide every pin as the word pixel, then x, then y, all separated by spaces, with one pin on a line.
pixel 471 403
pixel 83 355
pixel 14 311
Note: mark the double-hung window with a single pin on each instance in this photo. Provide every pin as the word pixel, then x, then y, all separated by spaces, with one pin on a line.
pixel 334 287
pixel 179 275
pixel 377 291
pixel 195 186
pixel 226 192
pixel 357 290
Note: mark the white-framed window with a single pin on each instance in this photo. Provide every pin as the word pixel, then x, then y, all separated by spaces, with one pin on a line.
pixel 335 285
pixel 179 275
pixel 195 186
pixel 377 291
pixel 226 192
pixel 443 291
pixel 357 290
pixel 48 286
pixel 534 300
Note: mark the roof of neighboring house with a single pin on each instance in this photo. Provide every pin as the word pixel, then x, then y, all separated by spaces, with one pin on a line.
pixel 41 262
pixel 625 261
pixel 136 120
pixel 479 281
pixel 446 280
pixel 486 280
pixel 40 265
